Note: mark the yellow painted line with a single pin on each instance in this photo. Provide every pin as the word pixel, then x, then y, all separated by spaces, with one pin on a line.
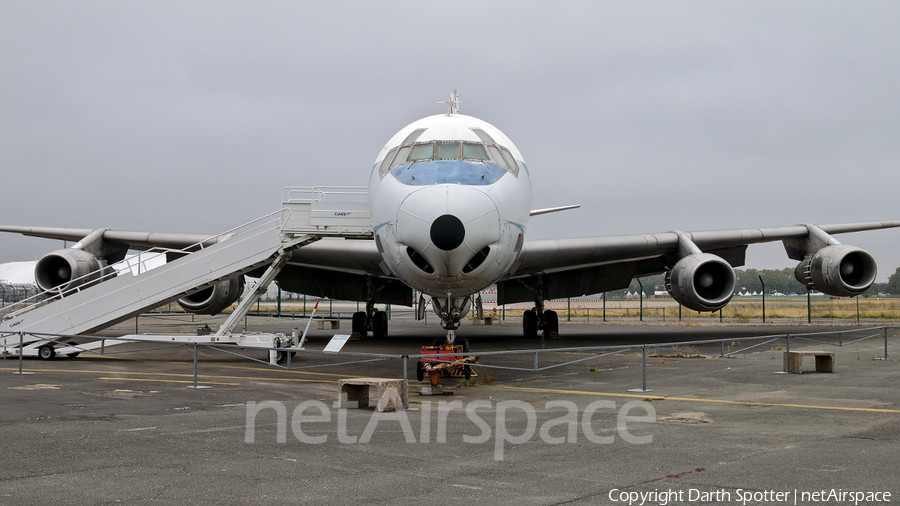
pixel 262 369
pixel 693 399
pixel 174 374
pixel 167 381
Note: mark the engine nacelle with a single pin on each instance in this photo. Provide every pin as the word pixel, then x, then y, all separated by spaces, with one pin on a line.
pixel 215 299
pixel 68 268
pixel 839 270
pixel 702 282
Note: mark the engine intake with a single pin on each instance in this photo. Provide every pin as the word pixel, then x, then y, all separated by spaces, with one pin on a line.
pixel 702 282
pixel 215 299
pixel 839 270
pixel 68 268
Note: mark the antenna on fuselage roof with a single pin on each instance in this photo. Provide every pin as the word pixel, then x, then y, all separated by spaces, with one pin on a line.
pixel 453 103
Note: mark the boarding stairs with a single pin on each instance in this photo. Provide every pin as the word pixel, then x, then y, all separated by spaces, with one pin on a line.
pixel 307 214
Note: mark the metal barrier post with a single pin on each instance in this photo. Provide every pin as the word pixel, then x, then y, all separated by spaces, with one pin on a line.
pixel 722 352
pixel 808 305
pixel 103 346
pixel 21 354
pixel 535 361
pixel 195 385
pixel 643 371
pixel 644 367
pixel 788 346
pixel 405 384
pixel 840 339
pixel 21 350
pixel 195 365
pixel 642 298
pixel 885 344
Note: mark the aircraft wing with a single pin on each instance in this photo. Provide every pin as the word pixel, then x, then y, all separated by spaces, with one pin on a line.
pixel 573 267
pixel 345 269
pixel 135 240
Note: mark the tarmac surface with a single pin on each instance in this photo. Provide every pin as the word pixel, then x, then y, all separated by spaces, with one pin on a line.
pixel 123 428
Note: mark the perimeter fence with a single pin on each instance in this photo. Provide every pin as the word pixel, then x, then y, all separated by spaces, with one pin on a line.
pixel 538 359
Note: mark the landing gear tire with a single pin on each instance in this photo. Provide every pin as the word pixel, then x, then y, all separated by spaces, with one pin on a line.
pixel 420 371
pixel 380 325
pixel 438 342
pixel 464 343
pixel 359 323
pixel 551 322
pixel 73 355
pixel 529 324
pixel 46 352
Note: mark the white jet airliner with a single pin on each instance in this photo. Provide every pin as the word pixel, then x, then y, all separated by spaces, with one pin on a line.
pixel 450 197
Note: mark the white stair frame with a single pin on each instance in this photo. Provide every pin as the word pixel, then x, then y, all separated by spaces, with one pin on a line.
pixel 307 214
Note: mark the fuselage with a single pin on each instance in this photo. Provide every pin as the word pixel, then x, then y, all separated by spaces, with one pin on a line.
pixel 450 197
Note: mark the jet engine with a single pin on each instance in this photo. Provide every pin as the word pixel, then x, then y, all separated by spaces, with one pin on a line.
pixel 701 281
pixel 839 270
pixel 215 299
pixel 68 268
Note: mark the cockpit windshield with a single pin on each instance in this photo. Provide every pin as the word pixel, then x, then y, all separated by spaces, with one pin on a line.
pixel 486 152
pixel 474 151
pixel 419 152
pixel 447 151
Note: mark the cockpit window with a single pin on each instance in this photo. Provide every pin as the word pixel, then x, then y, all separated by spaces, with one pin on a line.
pixel 497 157
pixel 510 161
pixel 388 158
pixel 397 156
pixel 401 158
pixel 421 152
pixel 483 135
pixel 411 138
pixel 448 151
pixel 474 151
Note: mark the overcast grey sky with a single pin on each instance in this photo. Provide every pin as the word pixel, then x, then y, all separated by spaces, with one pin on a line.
pixel 191 116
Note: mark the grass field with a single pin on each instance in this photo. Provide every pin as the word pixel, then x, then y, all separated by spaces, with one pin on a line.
pixel 740 310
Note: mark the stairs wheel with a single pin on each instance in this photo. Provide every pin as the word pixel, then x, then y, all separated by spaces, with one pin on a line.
pixel 46 352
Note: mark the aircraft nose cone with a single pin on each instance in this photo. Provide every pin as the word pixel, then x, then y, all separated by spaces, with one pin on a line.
pixel 447 232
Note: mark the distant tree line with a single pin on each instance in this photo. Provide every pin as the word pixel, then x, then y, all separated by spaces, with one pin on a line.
pixel 777 281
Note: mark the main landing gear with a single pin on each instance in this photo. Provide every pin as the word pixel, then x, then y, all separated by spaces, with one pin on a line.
pixel 370 319
pixel 536 319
